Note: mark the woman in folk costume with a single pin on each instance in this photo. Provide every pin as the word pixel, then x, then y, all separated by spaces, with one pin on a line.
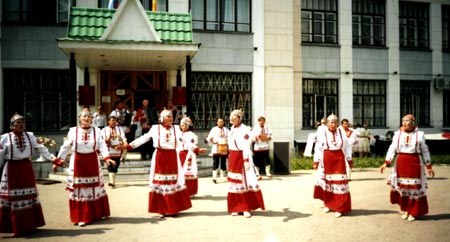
pixel 20 209
pixel 408 180
pixel 88 201
pixel 114 137
pixel 168 194
pixel 188 151
pixel 331 159
pixel 244 193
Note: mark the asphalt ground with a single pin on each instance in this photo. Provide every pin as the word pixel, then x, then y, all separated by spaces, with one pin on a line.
pixel 291 214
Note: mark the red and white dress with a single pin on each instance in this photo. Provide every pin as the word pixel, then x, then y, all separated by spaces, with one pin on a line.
pixel 407 179
pixel 88 200
pixel 20 208
pixel 244 193
pixel 332 153
pixel 168 194
pixel 188 151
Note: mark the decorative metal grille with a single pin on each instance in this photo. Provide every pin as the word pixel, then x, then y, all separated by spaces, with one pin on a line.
pixel 42 96
pixel 215 95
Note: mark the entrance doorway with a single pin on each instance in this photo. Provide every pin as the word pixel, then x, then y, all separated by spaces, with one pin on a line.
pixel 131 87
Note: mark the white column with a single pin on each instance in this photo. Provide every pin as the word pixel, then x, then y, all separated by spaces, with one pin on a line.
pixel 436 98
pixel 346 61
pixel 393 83
pixel 259 81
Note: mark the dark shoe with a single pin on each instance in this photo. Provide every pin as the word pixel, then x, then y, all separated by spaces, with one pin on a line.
pixel 214 180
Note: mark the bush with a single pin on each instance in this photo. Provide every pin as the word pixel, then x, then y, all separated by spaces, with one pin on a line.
pixel 306 163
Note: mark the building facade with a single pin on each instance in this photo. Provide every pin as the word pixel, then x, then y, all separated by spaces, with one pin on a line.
pixel 292 61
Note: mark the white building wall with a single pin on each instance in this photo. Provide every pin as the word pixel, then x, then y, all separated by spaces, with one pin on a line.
pixel 279 68
pixel 223 52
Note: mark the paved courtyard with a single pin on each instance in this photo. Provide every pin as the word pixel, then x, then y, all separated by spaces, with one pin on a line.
pixel 291 214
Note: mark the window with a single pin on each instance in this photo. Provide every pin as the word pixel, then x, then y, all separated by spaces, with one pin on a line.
pixel 414 25
pixel 319 21
pixel 320 99
pixel 221 15
pixel 369 102
pixel 446 108
pixel 43 12
pixel 215 95
pixel 42 96
pixel 446 27
pixel 369 22
pixel 415 99
pixel 161 5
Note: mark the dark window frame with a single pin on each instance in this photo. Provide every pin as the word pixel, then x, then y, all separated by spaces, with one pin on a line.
pixel 320 23
pixel 446 28
pixel 38 13
pixel 368 17
pixel 216 94
pixel 446 108
pixel 41 95
pixel 415 99
pixel 241 23
pixel 320 98
pixel 414 21
pixel 369 102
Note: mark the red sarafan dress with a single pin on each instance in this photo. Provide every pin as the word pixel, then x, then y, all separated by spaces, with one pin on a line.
pixel 407 179
pixel 168 194
pixel 332 153
pixel 244 193
pixel 188 157
pixel 88 200
pixel 20 208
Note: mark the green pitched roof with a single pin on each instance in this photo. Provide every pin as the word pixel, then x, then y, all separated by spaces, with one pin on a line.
pixel 90 23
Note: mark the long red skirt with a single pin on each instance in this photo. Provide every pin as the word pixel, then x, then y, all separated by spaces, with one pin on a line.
pixel 20 212
pixel 410 194
pixel 244 193
pixel 191 181
pixel 167 196
pixel 335 194
pixel 88 201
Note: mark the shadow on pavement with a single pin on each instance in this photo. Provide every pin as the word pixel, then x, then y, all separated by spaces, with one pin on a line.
pixel 46 233
pixel 436 217
pixel 286 214
pixel 210 197
pixel 365 212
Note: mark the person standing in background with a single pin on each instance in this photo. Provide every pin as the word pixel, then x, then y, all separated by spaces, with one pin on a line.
pixel 261 137
pixel 218 137
pixel 114 137
pixel 99 118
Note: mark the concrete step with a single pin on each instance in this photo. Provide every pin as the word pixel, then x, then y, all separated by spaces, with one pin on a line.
pixel 135 169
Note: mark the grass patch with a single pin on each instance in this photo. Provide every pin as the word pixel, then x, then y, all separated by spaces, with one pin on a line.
pixel 306 163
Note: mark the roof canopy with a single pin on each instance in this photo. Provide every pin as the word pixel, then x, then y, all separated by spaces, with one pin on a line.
pixel 128 38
